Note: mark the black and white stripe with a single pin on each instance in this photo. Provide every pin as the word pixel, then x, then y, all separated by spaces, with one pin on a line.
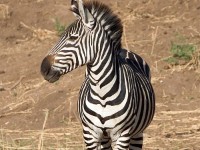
pixel 116 101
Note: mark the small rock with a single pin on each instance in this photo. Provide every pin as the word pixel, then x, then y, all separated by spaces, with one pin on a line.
pixel 2 88
pixel 7 123
pixel 166 67
pixel 61 91
pixel 2 72
pixel 168 135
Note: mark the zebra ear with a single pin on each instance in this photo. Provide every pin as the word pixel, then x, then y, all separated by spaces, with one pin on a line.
pixel 74 8
pixel 82 12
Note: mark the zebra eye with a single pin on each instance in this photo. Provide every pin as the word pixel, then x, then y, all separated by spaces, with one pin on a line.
pixel 73 37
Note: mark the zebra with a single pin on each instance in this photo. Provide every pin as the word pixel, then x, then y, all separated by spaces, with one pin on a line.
pixel 116 100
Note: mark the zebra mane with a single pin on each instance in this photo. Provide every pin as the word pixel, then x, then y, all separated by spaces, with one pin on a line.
pixel 108 20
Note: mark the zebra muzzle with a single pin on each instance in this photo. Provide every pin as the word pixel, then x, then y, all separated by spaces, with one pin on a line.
pixel 48 72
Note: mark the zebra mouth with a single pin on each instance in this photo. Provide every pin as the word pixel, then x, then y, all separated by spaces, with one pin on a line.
pixel 53 77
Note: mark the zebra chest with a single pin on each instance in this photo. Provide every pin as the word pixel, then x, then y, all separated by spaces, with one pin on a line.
pixel 104 113
pixel 103 117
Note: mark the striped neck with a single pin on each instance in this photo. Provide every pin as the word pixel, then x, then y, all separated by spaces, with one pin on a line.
pixel 104 73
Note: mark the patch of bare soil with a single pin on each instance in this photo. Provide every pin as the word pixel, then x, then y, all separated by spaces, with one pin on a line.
pixel 37 115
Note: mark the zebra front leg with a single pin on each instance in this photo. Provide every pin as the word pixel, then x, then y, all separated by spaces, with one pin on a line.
pixel 136 142
pixel 92 141
pixel 106 144
pixel 122 142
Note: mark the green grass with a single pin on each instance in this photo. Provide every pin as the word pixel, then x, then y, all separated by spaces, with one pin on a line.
pixel 181 51
pixel 60 28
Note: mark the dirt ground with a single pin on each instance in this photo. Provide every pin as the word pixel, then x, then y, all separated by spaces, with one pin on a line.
pixel 35 114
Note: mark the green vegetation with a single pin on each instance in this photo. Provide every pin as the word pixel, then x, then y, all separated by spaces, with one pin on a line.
pixel 181 51
pixel 60 28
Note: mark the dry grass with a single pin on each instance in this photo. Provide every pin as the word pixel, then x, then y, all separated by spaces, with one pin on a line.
pixel 40 34
pixel 68 138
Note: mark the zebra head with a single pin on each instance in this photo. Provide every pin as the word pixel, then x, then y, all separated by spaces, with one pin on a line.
pixel 69 52
pixel 78 44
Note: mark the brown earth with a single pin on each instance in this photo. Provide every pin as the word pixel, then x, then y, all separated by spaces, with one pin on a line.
pixel 35 114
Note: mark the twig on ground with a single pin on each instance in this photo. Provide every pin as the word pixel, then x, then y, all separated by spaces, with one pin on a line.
pixel 18 82
pixel 41 140
pixel 15 113
pixel 12 87
pixel 2 138
pixel 197 111
pixel 154 38
pixel 194 30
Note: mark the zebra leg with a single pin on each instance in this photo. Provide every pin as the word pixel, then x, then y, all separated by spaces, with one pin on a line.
pixel 92 142
pixel 106 144
pixel 136 142
pixel 122 142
